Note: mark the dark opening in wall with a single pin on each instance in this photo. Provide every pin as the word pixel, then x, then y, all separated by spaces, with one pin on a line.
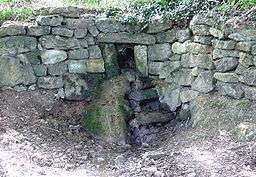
pixel 126 57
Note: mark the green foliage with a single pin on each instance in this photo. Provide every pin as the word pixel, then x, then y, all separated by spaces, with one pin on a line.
pixel 241 3
pixel 15 13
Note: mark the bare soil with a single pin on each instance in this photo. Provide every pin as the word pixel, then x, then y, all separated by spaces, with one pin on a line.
pixel 42 136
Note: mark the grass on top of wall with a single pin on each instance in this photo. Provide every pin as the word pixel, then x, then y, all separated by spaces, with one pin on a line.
pixel 15 13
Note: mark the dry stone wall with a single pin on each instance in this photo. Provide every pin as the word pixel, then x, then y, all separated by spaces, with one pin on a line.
pixel 73 53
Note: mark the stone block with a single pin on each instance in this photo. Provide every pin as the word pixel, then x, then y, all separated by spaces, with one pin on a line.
pixel 78 54
pixel 226 64
pixel 57 69
pixel 50 20
pixel 159 52
pixel 61 31
pixel 204 82
pixel 53 56
pixel 35 30
pixel 226 77
pixel 50 82
pixel 141 59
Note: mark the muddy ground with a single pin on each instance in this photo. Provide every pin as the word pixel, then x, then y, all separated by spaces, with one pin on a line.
pixel 41 136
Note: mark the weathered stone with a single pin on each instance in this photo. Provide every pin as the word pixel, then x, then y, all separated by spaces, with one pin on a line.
pixel 70 11
pixel 62 31
pixel 93 30
pixel 146 118
pixel 250 93
pixel 157 27
pixel 110 53
pixel 75 88
pixel 83 43
pixel 18 44
pixel 51 20
pixel 180 48
pixel 159 52
pixel 105 120
pixel 57 69
pixel 224 44
pixel 141 59
pixel 169 94
pixel 124 37
pixel 185 60
pixel 168 36
pixel 254 49
pixel 245 59
pixel 213 113
pixel 207 40
pixel 77 66
pixel 81 23
pixel 33 57
pixel 35 30
pixel 219 53
pixel 249 77
pixel 226 64
pixel 182 77
pixel 200 30
pixel 183 35
pixel 188 95
pixel 245 131
pixel 244 46
pixel 53 56
pixel 216 33
pixel 244 35
pixel 50 82
pixel 240 69
pixel 168 68
pixel 226 77
pixel 196 71
pixel 94 52
pixel 90 40
pixel 201 60
pixel 15 70
pixel 155 67
pixel 197 48
pixel 230 89
pixel 40 70
pixel 80 33
pixel 175 57
pixel 57 42
pixel 78 54
pixel 95 66
pixel 12 29
pixel 107 25
pixel 202 19
pixel 204 82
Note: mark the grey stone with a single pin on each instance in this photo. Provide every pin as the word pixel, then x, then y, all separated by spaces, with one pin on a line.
pixel 12 29
pixel 185 60
pixel 182 77
pixel 35 30
pixel 95 66
pixel 245 59
pixel 57 69
pixel 200 30
pixel 244 35
pixel 175 57
pixel 249 77
pixel 156 27
pixel 90 40
pixel 124 37
pixel 196 71
pixel 197 48
pixel 226 77
pixel 230 89
pixel 53 56
pixel 250 93
pixel 159 52
pixel 226 64
pixel 141 59
pixel 180 48
pixel 204 82
pixel 240 69
pixel 75 88
pixel 224 44
pixel 188 95
pixel 78 54
pixel 83 43
pixel 219 53
pixel 15 70
pixel 33 57
pixel 204 61
pixel 207 40
pixel 51 20
pixel 168 68
pixel 168 36
pixel 81 23
pixel 94 52
pixel 40 70
pixel 155 67
pixel 254 49
pixel 77 66
pixel 80 33
pixel 62 31
pixel 245 131
pixel 50 82
pixel 244 46
pixel 183 35
pixel 146 118
pixel 57 42
pixel 93 30
pixel 216 33
pixel 17 44
pixel 20 88
pixel 107 25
